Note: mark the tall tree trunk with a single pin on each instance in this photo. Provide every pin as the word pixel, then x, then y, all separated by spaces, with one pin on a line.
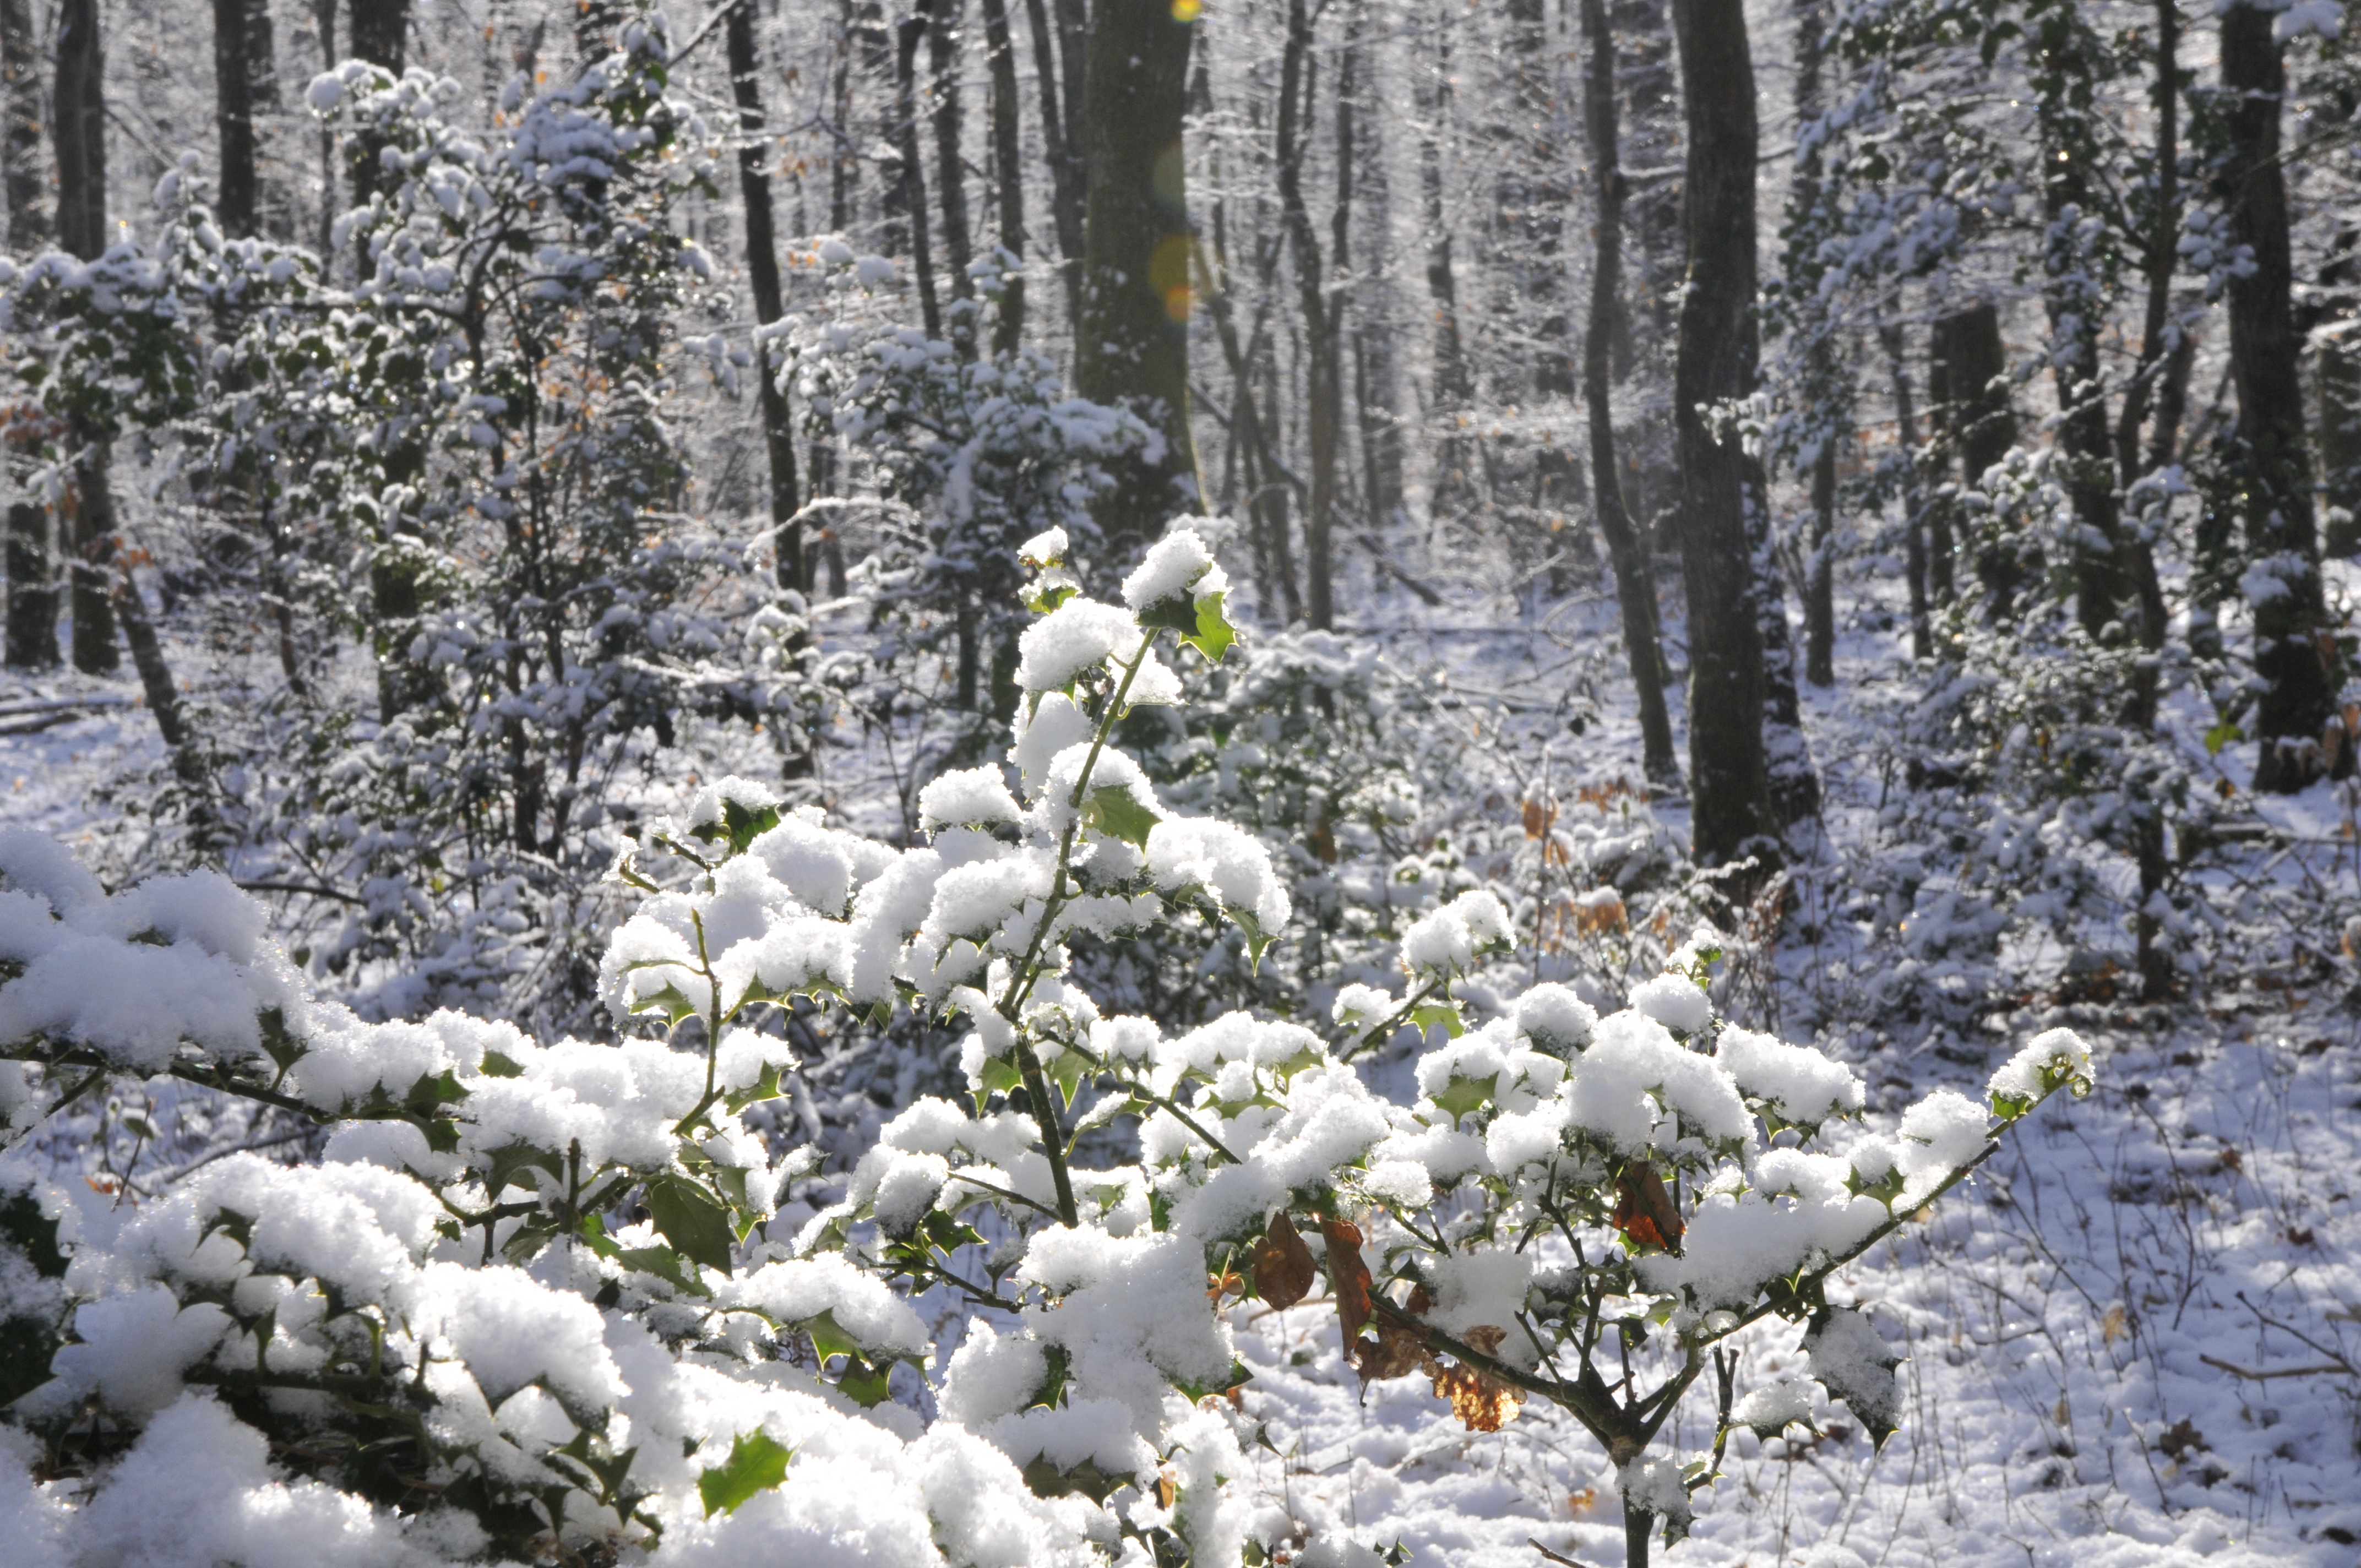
pixel 1324 411
pixel 942 55
pixel 2077 308
pixel 1132 344
pixel 2294 653
pixel 324 13
pixel 1968 382
pixel 1533 194
pixel 911 188
pixel 79 105
pixel 1714 363
pixel 844 165
pixel 1913 501
pixel 32 640
pixel 2337 371
pixel 1454 388
pixel 1064 159
pixel 1008 166
pixel 380 31
pixel 1819 563
pixel 244 84
pixel 1635 585
pixel 32 613
pixel 762 273
pixel 21 175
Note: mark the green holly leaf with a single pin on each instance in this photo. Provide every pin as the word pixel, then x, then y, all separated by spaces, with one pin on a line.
pixel 1115 812
pixel 2223 734
pixel 1214 634
pixel 498 1066
pixel 763 1088
pixel 756 1464
pixel 737 826
pixel 1444 1011
pixel 1258 943
pixel 695 1222
pixel 1462 1095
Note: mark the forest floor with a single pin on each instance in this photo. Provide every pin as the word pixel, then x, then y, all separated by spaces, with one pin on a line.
pixel 2135 1338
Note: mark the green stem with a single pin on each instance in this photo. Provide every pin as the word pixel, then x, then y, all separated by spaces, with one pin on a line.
pixel 1021 980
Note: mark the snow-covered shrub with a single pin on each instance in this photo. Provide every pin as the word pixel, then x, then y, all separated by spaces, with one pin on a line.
pixel 540 1301
pixel 976 448
pixel 466 462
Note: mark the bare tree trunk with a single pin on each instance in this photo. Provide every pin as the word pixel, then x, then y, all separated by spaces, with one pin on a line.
pixel 762 273
pixel 1967 376
pixel 1064 159
pixel 1008 165
pixel 32 613
pixel 2076 307
pixel 942 55
pixel 1635 585
pixel 1454 388
pixel 380 31
pixel 244 84
pixel 21 174
pixel 1913 501
pixel 32 590
pixel 1324 412
pixel 324 13
pixel 1820 564
pixel 2294 647
pixel 1132 344
pixel 843 167
pixel 912 185
pixel 2337 371
pixel 1714 363
pixel 80 136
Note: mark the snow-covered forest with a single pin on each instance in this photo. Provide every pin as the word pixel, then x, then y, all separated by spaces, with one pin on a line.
pixel 1157 782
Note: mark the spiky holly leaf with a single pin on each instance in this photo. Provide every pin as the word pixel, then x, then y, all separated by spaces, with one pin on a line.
pixel 756 1464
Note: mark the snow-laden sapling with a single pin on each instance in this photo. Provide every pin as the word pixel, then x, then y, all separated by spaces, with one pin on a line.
pixel 539 1301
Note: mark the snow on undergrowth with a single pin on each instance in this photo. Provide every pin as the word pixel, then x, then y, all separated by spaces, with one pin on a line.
pixel 539 1301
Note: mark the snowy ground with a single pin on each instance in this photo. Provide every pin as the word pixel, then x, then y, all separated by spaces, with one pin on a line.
pixel 2134 1340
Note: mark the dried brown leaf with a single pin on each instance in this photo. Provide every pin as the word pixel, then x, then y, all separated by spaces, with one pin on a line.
pixel 1645 1210
pixel 1283 1267
pixel 1348 1277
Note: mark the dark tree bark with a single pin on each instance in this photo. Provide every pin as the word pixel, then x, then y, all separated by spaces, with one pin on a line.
pixel 1635 585
pixel 1454 388
pixel 324 13
pixel 2071 293
pixel 1064 159
pixel 21 174
pixel 762 273
pixel 32 613
pixel 1008 167
pixel 1322 306
pixel 1132 345
pixel 380 31
pixel 1819 563
pixel 32 590
pixel 2338 370
pixel 942 56
pixel 79 105
pixel 2294 651
pixel 843 166
pixel 1968 382
pixel 1531 194
pixel 244 84
pixel 1913 501
pixel 595 24
pixel 911 186
pixel 1715 362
